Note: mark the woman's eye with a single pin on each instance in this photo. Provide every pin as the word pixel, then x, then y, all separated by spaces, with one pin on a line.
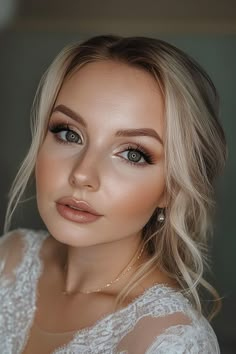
pixel 134 155
pixel 65 134
pixel 70 136
pixel 137 156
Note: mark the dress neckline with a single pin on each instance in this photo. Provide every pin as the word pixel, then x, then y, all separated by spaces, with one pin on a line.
pixel 162 287
pixel 155 289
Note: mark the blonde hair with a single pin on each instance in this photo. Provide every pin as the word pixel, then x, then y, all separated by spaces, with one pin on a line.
pixel 195 153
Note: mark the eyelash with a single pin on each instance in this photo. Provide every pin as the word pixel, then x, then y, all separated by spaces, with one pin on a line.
pixel 56 128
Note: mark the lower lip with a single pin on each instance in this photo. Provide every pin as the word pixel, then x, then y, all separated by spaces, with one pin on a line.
pixel 76 215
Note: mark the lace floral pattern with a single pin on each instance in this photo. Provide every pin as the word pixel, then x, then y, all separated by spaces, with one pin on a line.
pixel 18 306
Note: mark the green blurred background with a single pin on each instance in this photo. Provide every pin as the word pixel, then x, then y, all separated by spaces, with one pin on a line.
pixel 33 32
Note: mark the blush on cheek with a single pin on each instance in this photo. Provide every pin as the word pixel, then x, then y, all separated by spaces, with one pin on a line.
pixel 42 173
pixel 48 171
pixel 139 206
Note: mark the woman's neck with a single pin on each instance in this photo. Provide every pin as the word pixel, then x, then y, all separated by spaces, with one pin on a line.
pixel 94 267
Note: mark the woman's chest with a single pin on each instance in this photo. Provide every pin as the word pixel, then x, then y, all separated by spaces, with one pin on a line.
pixel 59 317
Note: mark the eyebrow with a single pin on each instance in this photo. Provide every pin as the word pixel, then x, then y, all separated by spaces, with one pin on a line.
pixel 120 133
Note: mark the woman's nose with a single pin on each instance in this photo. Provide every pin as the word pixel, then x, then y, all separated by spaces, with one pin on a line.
pixel 84 173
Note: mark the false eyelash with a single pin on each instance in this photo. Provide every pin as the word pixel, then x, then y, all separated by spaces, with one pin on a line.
pixel 146 155
pixel 59 127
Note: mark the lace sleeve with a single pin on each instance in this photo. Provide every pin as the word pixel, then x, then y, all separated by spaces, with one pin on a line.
pixel 11 254
pixel 172 334
pixel 185 339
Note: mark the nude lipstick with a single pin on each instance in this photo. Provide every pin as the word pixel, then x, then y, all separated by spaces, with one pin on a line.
pixel 77 211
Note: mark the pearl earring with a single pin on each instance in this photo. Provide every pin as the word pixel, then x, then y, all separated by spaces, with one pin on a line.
pixel 161 217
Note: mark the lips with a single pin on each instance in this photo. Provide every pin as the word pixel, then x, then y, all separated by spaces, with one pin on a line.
pixel 79 205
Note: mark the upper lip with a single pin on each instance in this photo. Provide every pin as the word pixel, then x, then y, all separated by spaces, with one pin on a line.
pixel 79 204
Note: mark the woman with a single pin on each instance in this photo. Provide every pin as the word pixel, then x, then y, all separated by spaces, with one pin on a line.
pixel 125 150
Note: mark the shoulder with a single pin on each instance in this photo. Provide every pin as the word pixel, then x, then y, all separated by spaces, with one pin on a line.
pixel 14 245
pixel 182 325
pixel 193 337
pixel 17 238
pixel 166 322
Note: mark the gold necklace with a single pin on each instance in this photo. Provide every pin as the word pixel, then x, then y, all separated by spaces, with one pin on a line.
pixel 121 275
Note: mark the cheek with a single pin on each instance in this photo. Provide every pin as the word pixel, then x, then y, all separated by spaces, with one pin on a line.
pixel 48 173
pixel 42 172
pixel 140 198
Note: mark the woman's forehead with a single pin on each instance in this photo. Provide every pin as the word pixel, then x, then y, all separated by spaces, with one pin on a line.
pixel 113 90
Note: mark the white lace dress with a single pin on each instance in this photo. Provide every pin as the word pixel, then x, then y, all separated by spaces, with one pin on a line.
pixel 161 320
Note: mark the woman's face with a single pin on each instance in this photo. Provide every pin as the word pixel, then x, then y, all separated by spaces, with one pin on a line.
pixel 103 146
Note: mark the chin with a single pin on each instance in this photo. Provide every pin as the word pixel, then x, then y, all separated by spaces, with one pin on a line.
pixel 72 235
